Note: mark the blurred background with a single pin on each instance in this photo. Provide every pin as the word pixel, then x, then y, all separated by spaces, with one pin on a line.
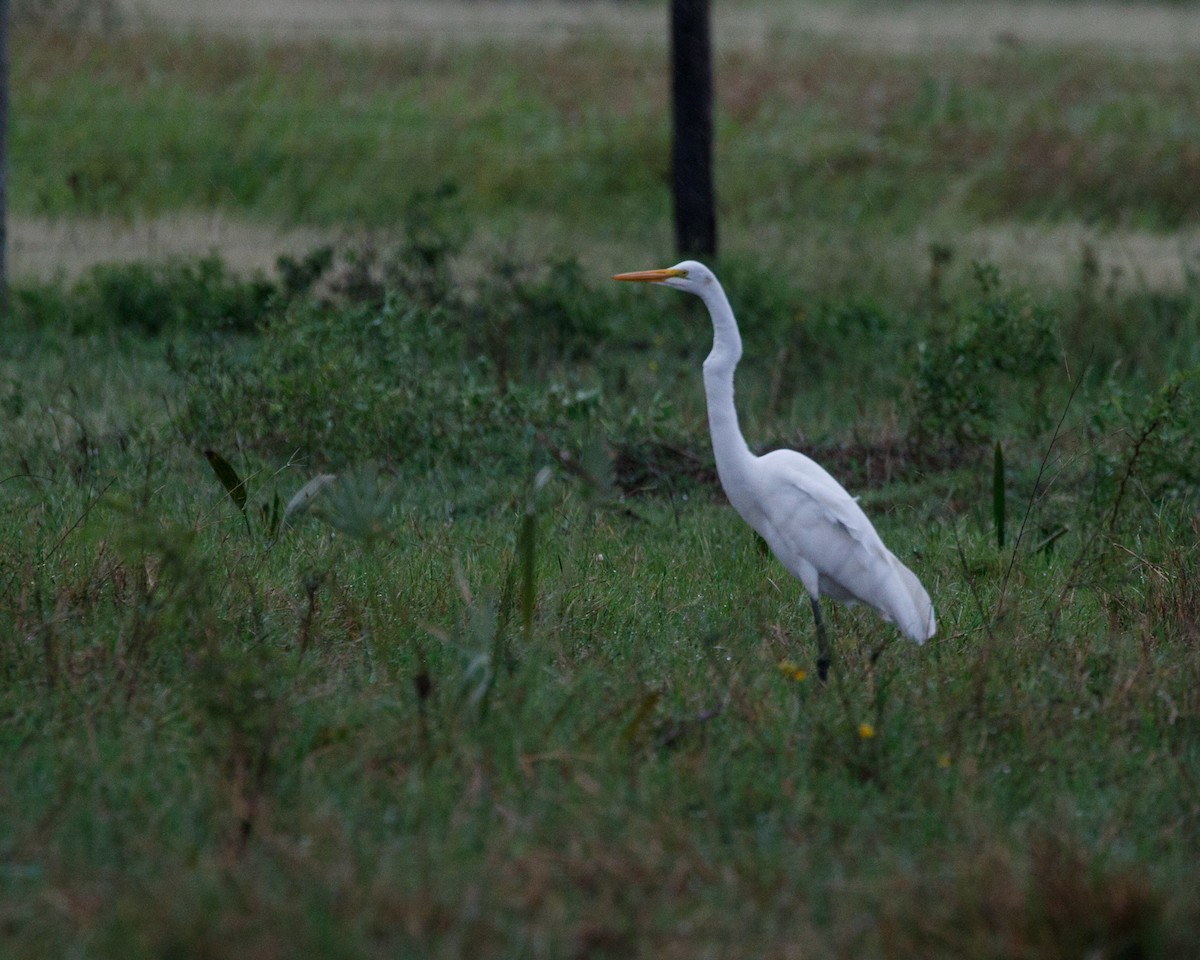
pixel 850 137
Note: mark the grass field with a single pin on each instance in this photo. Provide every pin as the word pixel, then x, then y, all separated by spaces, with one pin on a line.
pixel 820 147
pixel 518 682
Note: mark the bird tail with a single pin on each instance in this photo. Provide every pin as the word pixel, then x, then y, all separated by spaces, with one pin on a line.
pixel 918 622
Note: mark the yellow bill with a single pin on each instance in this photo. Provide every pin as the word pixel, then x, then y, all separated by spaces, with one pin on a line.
pixel 651 276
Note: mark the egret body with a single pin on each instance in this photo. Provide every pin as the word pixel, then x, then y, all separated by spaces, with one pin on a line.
pixel 812 525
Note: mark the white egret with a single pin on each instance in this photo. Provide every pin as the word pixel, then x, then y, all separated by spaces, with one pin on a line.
pixel 812 525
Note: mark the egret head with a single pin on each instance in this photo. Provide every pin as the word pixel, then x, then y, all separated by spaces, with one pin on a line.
pixel 689 275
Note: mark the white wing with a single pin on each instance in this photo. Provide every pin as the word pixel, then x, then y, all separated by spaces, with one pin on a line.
pixel 823 538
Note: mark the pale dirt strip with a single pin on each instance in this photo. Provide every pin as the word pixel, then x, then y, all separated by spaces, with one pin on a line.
pixel 1027 254
pixel 44 248
pixel 1140 29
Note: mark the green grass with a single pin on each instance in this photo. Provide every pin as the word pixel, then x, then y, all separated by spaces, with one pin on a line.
pixel 812 141
pixel 417 722
pixel 465 707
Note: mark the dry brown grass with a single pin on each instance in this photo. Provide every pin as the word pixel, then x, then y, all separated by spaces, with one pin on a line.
pixel 1048 901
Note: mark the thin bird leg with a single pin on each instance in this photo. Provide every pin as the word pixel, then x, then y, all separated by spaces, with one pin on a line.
pixel 824 654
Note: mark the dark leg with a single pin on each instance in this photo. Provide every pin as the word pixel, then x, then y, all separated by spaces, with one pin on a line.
pixel 824 655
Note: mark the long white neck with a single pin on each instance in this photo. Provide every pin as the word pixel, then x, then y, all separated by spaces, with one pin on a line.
pixel 730 451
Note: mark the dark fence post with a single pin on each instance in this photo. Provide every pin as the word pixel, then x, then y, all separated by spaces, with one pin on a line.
pixel 692 133
pixel 4 74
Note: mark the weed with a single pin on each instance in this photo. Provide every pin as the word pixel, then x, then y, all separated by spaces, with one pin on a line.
pixel 298 276
pixel 397 378
pixel 960 380
pixel 176 295
pixel 1145 453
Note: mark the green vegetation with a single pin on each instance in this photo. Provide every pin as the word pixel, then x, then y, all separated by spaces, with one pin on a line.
pixel 518 682
pixel 812 140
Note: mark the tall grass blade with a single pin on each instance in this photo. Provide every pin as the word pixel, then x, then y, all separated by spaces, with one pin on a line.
pixel 998 495
pixel 527 550
pixel 272 515
pixel 527 557
pixel 234 485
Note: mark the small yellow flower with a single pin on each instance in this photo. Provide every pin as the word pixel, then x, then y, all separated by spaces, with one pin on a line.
pixel 944 761
pixel 866 731
pixel 792 670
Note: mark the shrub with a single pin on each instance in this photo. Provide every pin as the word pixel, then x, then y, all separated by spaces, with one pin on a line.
pixel 1001 347
pixel 200 295
pixel 1144 448
pixel 466 380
